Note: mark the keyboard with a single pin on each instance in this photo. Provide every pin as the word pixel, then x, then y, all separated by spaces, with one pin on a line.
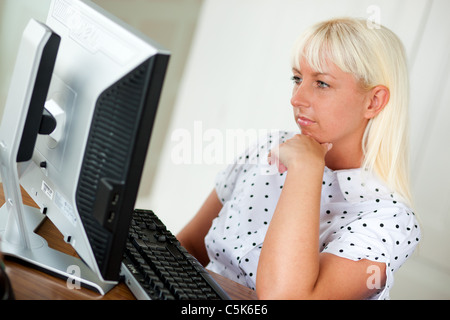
pixel 156 267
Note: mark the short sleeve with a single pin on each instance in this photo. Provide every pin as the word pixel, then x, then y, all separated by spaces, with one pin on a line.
pixel 388 235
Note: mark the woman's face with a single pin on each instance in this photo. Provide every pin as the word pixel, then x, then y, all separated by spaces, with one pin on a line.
pixel 329 106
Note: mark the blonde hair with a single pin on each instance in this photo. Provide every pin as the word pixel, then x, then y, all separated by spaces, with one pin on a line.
pixel 375 56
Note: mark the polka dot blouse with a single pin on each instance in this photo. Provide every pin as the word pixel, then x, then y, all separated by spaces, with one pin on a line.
pixel 359 217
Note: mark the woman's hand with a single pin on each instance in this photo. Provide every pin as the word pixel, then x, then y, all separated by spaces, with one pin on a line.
pixel 301 151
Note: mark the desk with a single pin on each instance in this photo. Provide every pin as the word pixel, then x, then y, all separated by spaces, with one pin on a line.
pixel 31 284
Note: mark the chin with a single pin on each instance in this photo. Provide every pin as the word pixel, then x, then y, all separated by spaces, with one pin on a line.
pixel 313 135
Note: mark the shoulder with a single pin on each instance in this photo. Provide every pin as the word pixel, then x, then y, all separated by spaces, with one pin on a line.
pixel 388 233
pixel 379 225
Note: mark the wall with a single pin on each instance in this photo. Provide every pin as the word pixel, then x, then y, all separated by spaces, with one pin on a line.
pixel 15 15
pixel 429 273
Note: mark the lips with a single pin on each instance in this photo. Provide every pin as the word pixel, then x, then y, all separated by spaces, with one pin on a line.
pixel 305 122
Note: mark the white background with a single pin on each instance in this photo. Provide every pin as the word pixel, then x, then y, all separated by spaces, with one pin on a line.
pixel 235 75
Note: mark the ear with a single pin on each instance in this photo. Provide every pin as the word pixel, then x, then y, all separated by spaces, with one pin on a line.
pixel 378 99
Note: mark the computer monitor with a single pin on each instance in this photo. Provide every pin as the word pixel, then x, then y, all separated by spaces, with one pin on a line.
pixel 85 174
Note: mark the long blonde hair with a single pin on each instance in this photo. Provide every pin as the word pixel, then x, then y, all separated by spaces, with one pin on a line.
pixel 375 56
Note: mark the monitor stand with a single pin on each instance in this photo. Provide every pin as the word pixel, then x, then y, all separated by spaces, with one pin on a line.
pixel 19 241
pixel 17 221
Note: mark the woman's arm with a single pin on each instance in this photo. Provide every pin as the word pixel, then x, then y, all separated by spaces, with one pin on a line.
pixel 192 236
pixel 290 265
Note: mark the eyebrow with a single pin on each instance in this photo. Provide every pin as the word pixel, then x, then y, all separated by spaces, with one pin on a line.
pixel 315 74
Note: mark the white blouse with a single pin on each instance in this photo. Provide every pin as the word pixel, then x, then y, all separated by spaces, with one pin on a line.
pixel 359 217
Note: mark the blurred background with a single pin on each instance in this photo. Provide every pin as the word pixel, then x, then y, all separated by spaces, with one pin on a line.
pixel 230 72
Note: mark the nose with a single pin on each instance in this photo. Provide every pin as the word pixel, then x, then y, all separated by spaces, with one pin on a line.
pixel 300 96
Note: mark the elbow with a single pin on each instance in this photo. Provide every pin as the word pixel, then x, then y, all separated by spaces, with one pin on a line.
pixel 266 292
pixel 280 293
pixel 281 296
pixel 268 288
pixel 268 295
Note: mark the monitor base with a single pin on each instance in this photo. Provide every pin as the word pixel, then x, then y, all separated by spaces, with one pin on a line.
pixel 39 255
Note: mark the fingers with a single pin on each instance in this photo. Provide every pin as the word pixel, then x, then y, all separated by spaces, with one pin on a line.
pixel 297 150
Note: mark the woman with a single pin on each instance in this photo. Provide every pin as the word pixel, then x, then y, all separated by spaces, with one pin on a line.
pixel 336 222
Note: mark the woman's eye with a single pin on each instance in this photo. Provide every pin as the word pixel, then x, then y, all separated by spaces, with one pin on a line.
pixel 322 84
pixel 296 79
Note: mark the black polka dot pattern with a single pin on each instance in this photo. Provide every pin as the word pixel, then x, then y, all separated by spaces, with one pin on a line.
pixel 359 219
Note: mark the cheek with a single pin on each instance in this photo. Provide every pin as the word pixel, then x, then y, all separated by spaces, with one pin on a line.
pixel 347 107
pixel 340 119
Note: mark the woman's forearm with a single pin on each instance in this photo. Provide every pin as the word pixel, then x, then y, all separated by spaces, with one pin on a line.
pixel 193 234
pixel 289 261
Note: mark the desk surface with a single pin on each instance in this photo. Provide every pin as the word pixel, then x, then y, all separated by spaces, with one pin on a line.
pixel 30 284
